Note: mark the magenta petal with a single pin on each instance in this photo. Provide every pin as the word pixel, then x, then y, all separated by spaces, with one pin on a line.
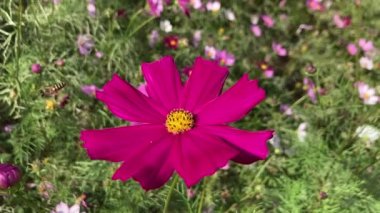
pixel 232 105
pixel 205 83
pixel 245 158
pixel 152 167
pixel 252 145
pixel 163 81
pixel 118 144
pixel 198 154
pixel 126 102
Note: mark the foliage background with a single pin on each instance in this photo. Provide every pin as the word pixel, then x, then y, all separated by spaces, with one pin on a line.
pixel 45 143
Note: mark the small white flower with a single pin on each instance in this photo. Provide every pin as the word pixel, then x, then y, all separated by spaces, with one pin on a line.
pixel 166 26
pixel 255 19
pixel 369 134
pixel 213 6
pixel 301 132
pixel 230 16
pixel 366 63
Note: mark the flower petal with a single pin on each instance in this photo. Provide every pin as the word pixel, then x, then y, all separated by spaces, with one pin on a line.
pixel 118 144
pixel 232 105
pixel 252 145
pixel 126 102
pixel 163 81
pixel 205 83
pixel 197 154
pixel 152 167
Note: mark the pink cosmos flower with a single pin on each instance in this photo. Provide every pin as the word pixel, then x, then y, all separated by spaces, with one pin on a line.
pixel 210 52
pixel 315 5
pixel 9 175
pixel 366 63
pixel 268 20
pixel 309 86
pixel 99 54
pixel 89 89
pixel 91 8
pixel 213 6
pixel 267 70
pixel 185 6
pixel 156 7
pixel 255 29
pixel 286 109
pixel 64 208
pixel 36 68
pixel 365 45
pixel 85 44
pixel 184 125
pixel 367 94
pixel 279 49
pixel 225 58
pixel 341 22
pixel 153 38
pixel 197 37
pixel 352 49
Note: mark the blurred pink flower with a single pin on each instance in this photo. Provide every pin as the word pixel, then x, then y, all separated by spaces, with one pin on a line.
pixel 185 6
pixel 213 6
pixel 285 108
pixel 367 94
pixel 99 54
pixel 89 89
pixel 56 2
pixel 282 3
pixel 315 5
pixel 64 208
pixel 210 52
pixel 153 38
pixel 341 22
pixel 267 70
pixel 8 128
pixel 366 45
pixel 352 49
pixel 36 68
pixel 279 49
pixel 156 7
pixel 9 175
pixel 366 63
pixel 197 4
pixel 197 37
pixel 309 86
pixel 255 29
pixel 268 21
pixel 85 44
pixel 190 192
pixel 91 8
pixel 225 58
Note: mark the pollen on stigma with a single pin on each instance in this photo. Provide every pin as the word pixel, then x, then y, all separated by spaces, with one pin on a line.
pixel 179 121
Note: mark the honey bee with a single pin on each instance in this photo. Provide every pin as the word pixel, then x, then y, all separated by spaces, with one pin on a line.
pixel 52 90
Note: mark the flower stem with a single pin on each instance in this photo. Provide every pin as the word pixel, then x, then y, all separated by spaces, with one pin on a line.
pixel 167 201
pixel 141 26
pixel 200 206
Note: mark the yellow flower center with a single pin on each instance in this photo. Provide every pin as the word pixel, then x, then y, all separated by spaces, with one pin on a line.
pixel 179 121
pixel 173 43
pixel 264 66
